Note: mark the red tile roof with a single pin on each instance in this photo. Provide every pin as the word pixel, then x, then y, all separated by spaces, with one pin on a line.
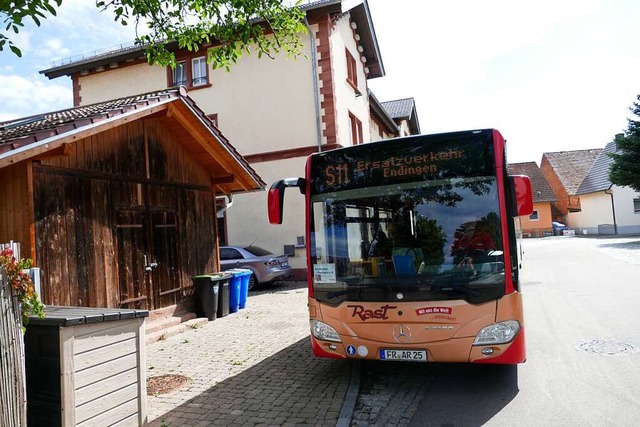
pixel 20 132
pixel 572 166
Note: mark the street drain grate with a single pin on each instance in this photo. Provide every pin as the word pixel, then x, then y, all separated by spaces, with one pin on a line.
pixel 608 348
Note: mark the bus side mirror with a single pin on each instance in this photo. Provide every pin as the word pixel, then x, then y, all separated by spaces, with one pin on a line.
pixel 522 195
pixel 275 198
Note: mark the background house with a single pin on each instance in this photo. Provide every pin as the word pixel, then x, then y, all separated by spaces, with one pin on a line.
pixel 276 112
pixel 606 208
pixel 383 126
pixel 115 201
pixel 564 171
pixel 537 224
pixel 403 112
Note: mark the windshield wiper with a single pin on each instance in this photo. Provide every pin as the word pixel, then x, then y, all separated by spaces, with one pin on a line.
pixel 351 289
pixel 456 287
pixel 356 286
pixel 454 281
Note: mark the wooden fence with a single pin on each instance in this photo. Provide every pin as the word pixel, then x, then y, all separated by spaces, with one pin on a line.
pixel 13 410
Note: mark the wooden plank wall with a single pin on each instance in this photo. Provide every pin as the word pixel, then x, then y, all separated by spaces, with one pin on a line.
pixel 16 210
pixel 75 241
pixel 199 255
pixel 79 239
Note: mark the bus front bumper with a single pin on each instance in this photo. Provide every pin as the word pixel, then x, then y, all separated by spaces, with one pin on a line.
pixel 458 350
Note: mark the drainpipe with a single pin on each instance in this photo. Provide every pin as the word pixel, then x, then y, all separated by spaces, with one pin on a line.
pixel 613 210
pixel 316 90
pixel 226 205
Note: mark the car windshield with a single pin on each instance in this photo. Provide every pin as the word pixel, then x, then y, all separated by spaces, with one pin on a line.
pixel 257 251
pixel 426 240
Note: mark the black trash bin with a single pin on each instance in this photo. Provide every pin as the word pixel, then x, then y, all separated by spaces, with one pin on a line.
pixel 207 289
pixel 223 297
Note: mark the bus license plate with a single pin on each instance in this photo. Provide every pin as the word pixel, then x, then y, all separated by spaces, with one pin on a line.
pixel 409 355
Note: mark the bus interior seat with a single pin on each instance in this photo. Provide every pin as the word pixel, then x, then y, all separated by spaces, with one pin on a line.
pixel 404 265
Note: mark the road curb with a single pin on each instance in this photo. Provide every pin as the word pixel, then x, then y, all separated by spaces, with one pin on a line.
pixel 350 398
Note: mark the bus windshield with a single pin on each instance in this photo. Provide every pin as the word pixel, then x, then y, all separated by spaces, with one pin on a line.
pixel 416 241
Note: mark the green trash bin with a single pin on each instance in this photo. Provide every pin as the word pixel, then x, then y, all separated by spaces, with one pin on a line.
pixel 207 289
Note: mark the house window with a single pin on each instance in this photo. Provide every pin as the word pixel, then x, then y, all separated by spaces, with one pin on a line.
pixel 533 216
pixel 356 130
pixel 352 71
pixel 180 74
pixel 636 205
pixel 190 72
pixel 199 69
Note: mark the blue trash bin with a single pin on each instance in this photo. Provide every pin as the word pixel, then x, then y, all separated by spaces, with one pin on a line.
pixel 235 284
pixel 244 286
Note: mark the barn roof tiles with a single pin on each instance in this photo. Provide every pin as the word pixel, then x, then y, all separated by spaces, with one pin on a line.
pixel 572 166
pixel 29 137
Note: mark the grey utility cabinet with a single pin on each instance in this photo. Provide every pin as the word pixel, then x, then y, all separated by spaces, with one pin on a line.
pixel 86 367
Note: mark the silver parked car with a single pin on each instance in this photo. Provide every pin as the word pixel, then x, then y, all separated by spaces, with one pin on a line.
pixel 267 267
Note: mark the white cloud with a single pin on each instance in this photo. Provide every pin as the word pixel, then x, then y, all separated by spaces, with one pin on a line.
pixel 22 40
pixel 54 47
pixel 26 96
pixel 550 75
pixel 79 27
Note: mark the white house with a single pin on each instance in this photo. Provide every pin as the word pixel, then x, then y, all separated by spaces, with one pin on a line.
pixel 606 208
pixel 277 111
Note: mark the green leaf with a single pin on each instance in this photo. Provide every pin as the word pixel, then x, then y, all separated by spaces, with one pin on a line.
pixel 50 9
pixel 192 23
pixel 16 51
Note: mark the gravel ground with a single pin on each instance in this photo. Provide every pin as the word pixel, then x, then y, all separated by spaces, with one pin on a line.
pixel 626 249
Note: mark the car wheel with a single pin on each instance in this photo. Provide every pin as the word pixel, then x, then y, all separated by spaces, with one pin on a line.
pixel 253 282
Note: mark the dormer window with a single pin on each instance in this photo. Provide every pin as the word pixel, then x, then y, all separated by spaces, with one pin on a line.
pixel 190 72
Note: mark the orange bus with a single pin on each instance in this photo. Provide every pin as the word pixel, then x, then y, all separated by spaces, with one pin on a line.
pixel 412 250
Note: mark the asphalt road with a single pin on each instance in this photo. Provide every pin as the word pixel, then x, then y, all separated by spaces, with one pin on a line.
pixel 582 314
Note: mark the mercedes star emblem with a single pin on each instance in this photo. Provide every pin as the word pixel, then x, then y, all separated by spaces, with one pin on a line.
pixel 402 333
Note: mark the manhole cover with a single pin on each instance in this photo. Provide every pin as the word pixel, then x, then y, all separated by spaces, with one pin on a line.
pixel 607 348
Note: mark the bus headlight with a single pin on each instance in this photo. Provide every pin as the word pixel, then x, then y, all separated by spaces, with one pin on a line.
pixel 324 332
pixel 498 333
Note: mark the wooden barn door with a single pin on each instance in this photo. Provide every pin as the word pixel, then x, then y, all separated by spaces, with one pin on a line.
pixel 148 261
pixel 131 238
pixel 164 273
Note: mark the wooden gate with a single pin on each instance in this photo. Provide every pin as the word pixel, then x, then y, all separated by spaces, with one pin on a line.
pixel 13 410
pixel 132 258
pixel 165 265
pixel 148 258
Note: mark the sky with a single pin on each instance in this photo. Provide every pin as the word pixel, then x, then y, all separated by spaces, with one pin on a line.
pixel 551 75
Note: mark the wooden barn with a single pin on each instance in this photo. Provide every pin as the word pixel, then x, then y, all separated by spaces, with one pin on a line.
pixel 116 201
